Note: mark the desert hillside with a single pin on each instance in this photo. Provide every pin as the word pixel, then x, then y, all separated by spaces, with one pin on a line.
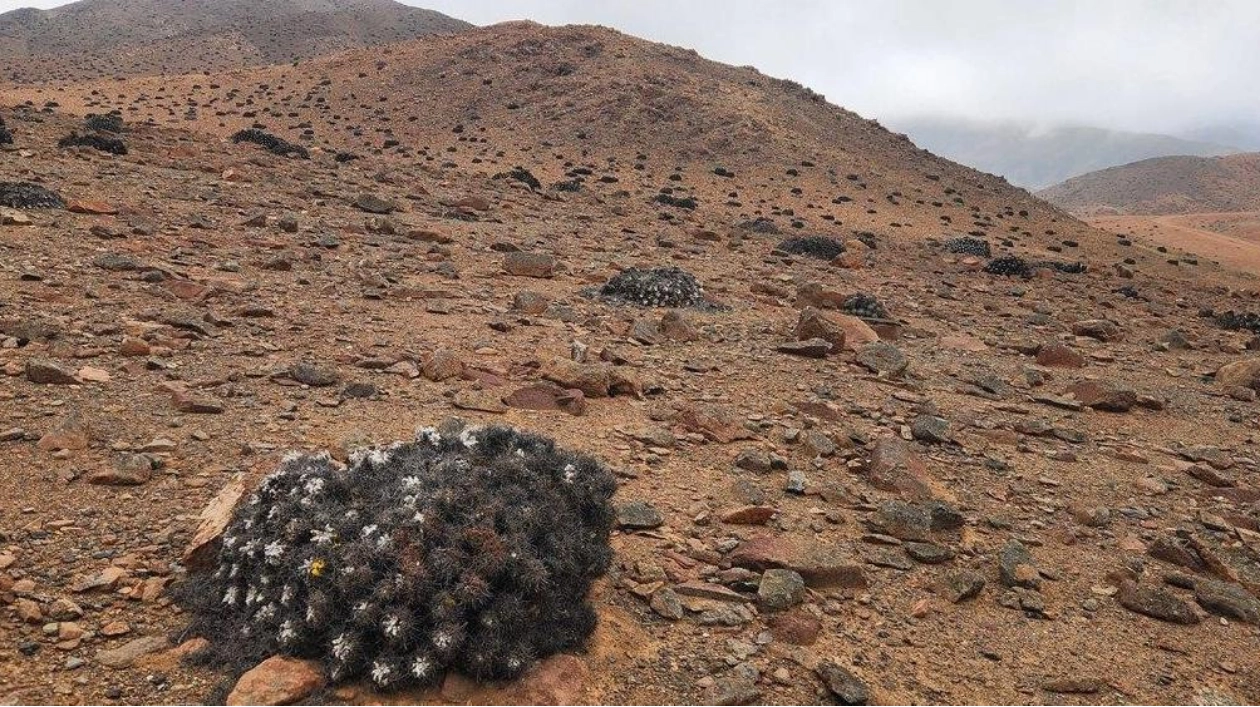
pixel 1164 185
pixel 617 114
pixel 883 429
pixel 95 38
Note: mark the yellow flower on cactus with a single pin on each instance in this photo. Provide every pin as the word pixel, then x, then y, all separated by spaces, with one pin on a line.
pixel 317 567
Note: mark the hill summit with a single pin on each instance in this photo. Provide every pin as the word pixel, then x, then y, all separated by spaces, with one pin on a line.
pixel 1165 185
pixel 94 38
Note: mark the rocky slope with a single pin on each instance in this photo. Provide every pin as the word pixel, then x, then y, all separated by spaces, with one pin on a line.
pixel 1165 185
pixel 1027 489
pixel 94 38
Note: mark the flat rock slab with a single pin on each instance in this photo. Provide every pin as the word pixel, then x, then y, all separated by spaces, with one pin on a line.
pixel 131 651
pixel 819 564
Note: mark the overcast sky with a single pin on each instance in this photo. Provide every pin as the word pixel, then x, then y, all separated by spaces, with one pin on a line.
pixel 1154 65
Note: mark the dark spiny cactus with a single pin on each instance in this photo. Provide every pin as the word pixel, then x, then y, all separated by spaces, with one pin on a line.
pixel 865 306
pixel 1009 266
pixel 6 137
pixel 104 123
pixel 967 245
pixel 273 144
pixel 1236 321
pixel 819 247
pixel 470 549
pixel 104 143
pixel 521 175
pixel 658 287
pixel 25 195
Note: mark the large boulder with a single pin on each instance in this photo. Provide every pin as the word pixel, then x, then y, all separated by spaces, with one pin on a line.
pixel 1240 374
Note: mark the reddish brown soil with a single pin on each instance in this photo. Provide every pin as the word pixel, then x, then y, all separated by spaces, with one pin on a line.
pixel 223 305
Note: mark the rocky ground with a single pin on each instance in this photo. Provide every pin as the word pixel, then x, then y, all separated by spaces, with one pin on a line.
pixel 997 489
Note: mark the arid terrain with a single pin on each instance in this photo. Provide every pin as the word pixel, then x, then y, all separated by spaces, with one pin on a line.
pixel 1031 477
pixel 1164 185
pixel 111 38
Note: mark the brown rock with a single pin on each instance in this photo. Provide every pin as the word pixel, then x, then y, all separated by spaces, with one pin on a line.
pixel 1156 603
pixel 594 380
pixel 1103 396
pixel 749 515
pixel 85 206
pixel 530 302
pixel 857 333
pixel 546 395
pixel 813 324
pixel 821 565
pixel 48 373
pixel 796 627
pixel 894 466
pixel 675 326
pixel 480 400
pixel 215 518
pixel 524 264
pixel 134 346
pixel 810 348
pixel 813 294
pixel 476 203
pixel 716 424
pixel 127 470
pixel 28 611
pixel 442 365
pixel 1059 355
pixel 72 433
pixel 1100 329
pixel 277 681
pixel 128 653
pixel 1240 374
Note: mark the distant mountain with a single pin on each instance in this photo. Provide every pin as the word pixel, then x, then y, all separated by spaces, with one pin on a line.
pixel 1242 134
pixel 1164 185
pixel 1036 158
pixel 103 38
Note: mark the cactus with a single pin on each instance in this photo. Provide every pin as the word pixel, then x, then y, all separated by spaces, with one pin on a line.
pixel 819 247
pixel 273 144
pixel 466 549
pixel 657 287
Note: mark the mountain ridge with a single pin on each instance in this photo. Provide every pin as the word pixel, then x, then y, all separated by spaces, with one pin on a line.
pixel 94 38
pixel 1037 157
pixel 1165 185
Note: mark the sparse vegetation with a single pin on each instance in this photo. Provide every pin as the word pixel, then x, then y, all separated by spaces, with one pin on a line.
pixel 819 247
pixel 467 549
pixel 272 143
pixel 657 287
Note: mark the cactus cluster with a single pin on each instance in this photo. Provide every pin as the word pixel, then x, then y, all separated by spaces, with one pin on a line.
pixel 681 202
pixel 657 287
pixel 96 141
pixel 819 247
pixel 865 306
pixel 522 175
pixel 273 143
pixel 467 549
pixel 26 195
pixel 966 245
pixel 1009 266
pixel 111 122
pixel 1239 321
